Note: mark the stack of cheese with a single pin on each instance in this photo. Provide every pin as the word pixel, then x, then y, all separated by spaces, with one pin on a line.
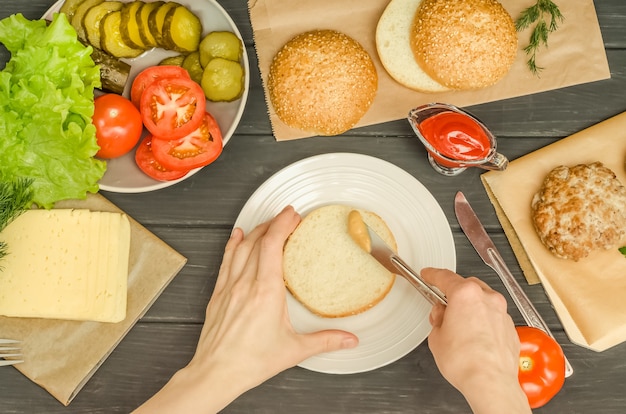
pixel 66 264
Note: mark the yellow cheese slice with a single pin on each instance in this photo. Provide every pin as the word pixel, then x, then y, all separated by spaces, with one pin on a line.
pixel 66 264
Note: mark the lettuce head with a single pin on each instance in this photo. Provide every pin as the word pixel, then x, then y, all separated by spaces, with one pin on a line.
pixel 46 106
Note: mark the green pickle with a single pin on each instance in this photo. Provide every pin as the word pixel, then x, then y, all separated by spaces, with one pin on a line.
pixel 192 64
pixel 182 30
pixel 223 80
pixel 173 61
pixel 224 45
pixel 69 8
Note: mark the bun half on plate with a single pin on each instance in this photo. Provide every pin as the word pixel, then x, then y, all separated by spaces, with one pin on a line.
pixel 327 271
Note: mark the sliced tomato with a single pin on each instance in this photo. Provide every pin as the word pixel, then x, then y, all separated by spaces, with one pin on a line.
pixel 172 107
pixel 150 166
pixel 151 74
pixel 197 149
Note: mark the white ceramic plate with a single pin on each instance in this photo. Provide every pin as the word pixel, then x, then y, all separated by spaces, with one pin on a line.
pixel 399 323
pixel 123 175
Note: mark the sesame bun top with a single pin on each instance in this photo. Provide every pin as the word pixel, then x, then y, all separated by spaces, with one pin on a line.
pixel 467 44
pixel 322 81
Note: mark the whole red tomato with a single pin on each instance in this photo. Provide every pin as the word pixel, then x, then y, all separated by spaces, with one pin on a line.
pixel 541 365
pixel 118 125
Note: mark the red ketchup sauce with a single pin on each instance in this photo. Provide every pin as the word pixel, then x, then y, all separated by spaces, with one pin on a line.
pixel 456 136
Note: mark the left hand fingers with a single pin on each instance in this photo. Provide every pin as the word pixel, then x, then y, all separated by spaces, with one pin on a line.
pixel 235 239
pixel 266 239
pixel 272 243
pixel 241 260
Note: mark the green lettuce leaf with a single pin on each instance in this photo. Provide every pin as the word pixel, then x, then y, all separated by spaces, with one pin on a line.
pixel 46 101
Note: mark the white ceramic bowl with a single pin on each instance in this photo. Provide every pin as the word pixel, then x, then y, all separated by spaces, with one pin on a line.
pixel 123 175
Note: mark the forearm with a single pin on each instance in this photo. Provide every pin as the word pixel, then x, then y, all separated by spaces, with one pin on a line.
pixel 191 391
pixel 496 397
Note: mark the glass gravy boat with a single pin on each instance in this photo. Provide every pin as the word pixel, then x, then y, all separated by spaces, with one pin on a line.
pixel 455 139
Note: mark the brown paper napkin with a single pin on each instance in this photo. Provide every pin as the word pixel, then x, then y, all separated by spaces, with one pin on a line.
pixel 60 355
pixel 587 295
pixel 576 53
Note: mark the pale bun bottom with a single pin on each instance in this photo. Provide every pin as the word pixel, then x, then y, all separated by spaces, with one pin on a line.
pixel 394 47
pixel 327 271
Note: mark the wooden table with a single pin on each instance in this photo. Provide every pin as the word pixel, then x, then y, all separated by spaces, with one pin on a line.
pixel 196 216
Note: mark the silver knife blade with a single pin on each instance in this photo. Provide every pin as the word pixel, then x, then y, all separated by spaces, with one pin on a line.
pixel 392 262
pixel 486 249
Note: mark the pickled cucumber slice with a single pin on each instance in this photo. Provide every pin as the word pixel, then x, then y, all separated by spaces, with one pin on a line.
pixel 182 30
pixel 93 17
pixel 145 31
pixel 69 8
pixel 173 61
pixel 111 38
pixel 156 20
pixel 79 14
pixel 193 66
pixel 221 44
pixel 129 28
pixel 222 80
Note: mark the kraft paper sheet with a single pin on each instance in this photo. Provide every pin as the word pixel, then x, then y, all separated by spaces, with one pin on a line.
pixel 588 295
pixel 61 355
pixel 575 55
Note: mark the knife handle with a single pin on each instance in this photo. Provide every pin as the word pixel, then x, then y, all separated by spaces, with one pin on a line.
pixel 432 294
pixel 525 306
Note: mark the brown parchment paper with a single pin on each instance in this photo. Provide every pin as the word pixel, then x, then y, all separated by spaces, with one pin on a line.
pixel 61 355
pixel 588 295
pixel 576 53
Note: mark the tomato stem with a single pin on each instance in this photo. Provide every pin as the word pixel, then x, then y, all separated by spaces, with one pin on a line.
pixel 525 363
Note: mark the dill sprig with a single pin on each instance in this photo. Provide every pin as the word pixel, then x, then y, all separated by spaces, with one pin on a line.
pixel 15 198
pixel 543 27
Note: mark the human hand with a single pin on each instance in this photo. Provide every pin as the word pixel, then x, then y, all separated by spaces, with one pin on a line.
pixel 474 343
pixel 247 326
pixel 247 336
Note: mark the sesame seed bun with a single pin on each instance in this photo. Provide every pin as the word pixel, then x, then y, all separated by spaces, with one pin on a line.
pixel 466 44
pixel 327 271
pixel 322 81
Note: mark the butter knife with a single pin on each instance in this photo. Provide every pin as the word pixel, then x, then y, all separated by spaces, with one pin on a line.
pixel 380 251
pixel 487 251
